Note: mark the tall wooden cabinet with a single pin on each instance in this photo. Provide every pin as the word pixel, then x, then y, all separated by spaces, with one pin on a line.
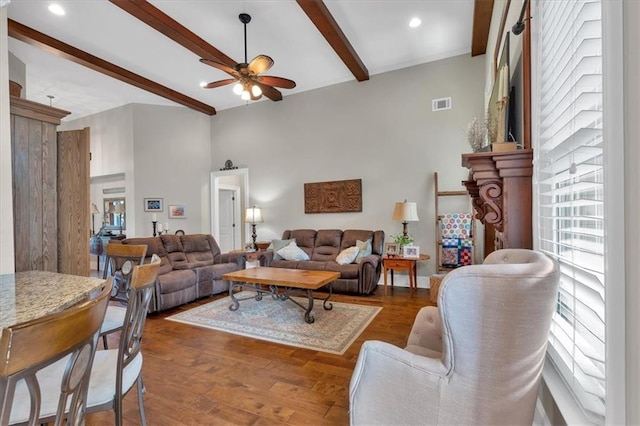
pixel 42 167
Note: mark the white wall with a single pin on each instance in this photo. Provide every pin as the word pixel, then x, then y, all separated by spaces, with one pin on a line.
pixel 172 152
pixel 382 131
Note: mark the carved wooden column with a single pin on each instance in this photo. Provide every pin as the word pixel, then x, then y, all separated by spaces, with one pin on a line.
pixel 500 188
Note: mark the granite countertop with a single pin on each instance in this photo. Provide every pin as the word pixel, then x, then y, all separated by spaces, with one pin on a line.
pixel 32 294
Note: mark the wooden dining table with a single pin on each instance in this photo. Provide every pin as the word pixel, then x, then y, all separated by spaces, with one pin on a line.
pixel 28 295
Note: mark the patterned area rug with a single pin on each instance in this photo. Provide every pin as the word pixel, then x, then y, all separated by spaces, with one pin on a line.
pixel 282 322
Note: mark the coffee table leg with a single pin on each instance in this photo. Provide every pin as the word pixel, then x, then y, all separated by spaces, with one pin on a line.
pixel 326 304
pixel 308 318
pixel 236 302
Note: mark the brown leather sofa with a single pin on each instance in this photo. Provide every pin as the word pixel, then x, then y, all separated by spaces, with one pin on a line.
pixel 323 246
pixel 192 267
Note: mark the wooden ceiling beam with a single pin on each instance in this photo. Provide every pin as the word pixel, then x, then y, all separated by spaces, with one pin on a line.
pixel 317 11
pixel 482 11
pixel 56 47
pixel 169 27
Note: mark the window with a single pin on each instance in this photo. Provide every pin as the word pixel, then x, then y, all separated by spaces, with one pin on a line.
pixel 569 181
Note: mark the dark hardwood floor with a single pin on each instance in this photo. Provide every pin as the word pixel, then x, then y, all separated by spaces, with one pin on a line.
pixel 197 376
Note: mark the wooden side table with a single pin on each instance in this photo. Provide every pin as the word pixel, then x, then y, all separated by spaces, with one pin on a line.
pixel 397 263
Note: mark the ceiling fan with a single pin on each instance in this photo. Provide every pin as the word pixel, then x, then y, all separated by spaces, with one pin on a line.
pixel 250 83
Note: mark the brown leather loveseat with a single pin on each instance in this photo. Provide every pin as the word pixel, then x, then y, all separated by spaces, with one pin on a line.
pixel 192 267
pixel 323 247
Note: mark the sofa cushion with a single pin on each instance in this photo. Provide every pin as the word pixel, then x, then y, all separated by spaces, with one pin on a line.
pixel 290 264
pixel 305 238
pixel 215 272
pixel 351 236
pixel 171 243
pixel 176 281
pixel 327 244
pixel 197 250
pixel 175 253
pixel 312 265
pixel 154 245
pixel 348 271
pixel 347 255
pixel 195 242
pixel 364 250
pixel 292 252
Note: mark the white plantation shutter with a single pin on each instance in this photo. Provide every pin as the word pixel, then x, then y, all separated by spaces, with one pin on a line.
pixel 569 182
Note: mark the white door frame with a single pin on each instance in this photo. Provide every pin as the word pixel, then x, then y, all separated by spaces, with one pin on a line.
pixel 243 175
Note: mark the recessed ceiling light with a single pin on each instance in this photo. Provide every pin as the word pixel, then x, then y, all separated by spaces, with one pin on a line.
pixel 56 9
pixel 415 22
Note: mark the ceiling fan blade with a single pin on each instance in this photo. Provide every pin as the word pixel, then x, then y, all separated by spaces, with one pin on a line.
pixel 259 64
pixel 220 66
pixel 220 83
pixel 269 91
pixel 285 83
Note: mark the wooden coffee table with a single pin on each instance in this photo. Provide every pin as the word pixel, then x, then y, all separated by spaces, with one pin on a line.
pixel 281 283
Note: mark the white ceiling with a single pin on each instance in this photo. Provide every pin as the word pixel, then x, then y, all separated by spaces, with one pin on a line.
pixel 378 30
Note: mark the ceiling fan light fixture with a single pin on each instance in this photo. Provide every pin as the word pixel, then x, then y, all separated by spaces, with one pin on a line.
pixel 245 95
pixel 237 88
pixel 256 91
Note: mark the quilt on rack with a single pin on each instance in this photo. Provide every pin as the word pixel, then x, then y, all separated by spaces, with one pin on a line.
pixel 457 242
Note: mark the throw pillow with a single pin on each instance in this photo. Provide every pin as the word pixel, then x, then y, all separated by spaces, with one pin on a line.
pixel 292 252
pixel 347 255
pixel 365 249
pixel 278 245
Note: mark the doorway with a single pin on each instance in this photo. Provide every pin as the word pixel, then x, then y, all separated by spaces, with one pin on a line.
pixel 237 178
pixel 229 217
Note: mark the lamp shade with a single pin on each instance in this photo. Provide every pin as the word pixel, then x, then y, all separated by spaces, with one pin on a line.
pixel 253 215
pixel 406 211
pixel 94 209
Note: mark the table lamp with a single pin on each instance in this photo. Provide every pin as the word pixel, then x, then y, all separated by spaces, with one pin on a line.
pixel 94 212
pixel 252 216
pixel 406 212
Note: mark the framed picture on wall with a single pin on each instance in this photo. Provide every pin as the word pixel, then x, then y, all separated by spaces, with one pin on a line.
pixel 153 205
pixel 178 211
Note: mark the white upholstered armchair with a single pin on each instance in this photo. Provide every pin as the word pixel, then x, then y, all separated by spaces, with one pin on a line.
pixel 476 359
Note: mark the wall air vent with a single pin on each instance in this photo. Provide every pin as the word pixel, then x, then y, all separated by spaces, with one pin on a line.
pixel 440 104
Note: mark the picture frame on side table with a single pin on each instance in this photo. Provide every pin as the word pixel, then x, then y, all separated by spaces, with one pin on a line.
pixel 178 211
pixel 391 249
pixel 412 252
pixel 153 205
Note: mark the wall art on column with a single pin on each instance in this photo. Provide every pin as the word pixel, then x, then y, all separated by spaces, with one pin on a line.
pixel 333 197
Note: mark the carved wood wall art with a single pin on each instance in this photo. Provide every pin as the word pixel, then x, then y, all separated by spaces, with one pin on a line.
pixel 333 197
